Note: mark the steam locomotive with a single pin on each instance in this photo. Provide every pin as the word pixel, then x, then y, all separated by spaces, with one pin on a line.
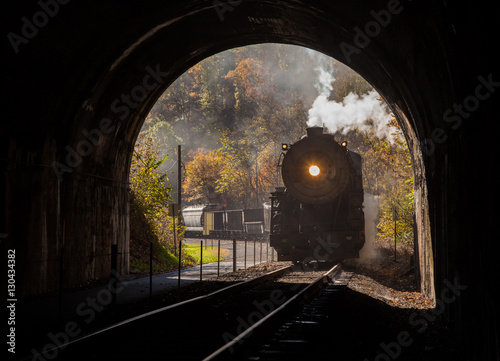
pixel 318 215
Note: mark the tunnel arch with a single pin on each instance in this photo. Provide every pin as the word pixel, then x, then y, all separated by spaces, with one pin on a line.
pixel 146 58
pixel 80 61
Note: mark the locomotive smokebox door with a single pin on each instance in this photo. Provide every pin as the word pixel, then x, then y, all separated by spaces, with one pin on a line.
pixel 316 169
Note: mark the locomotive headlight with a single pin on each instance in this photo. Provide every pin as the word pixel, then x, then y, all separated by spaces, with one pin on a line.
pixel 314 170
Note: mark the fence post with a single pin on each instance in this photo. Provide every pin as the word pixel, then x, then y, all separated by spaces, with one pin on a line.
pixel 180 265
pixel 201 261
pixel 245 252
pixel 267 251
pixel 174 229
pixel 260 245
pixel 218 258
pixel 254 241
pixel 234 255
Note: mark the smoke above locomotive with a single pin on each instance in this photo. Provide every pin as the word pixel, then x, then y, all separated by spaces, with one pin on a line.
pixel 318 215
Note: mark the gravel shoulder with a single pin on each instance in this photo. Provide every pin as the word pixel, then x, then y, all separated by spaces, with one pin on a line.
pixel 390 282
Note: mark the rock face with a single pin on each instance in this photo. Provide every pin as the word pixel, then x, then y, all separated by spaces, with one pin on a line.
pixel 80 78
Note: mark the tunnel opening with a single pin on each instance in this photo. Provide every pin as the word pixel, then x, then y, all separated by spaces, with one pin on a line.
pixel 126 107
pixel 214 119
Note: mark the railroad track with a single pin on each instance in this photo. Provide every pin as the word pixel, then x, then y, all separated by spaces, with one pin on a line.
pixel 215 324
pixel 288 332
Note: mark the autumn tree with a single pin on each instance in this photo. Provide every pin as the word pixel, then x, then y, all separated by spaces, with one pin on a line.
pixel 249 172
pixel 203 174
pixel 215 91
pixel 148 184
pixel 150 190
pixel 252 82
pixel 179 104
pixel 396 188
pixel 347 81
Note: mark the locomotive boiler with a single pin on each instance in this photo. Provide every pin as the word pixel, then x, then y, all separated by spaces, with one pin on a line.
pixel 318 215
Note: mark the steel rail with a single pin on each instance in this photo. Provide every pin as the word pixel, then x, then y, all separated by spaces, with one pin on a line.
pixel 225 352
pixel 193 302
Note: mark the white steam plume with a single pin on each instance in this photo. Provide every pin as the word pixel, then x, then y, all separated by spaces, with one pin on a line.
pixel 325 80
pixel 368 254
pixel 367 112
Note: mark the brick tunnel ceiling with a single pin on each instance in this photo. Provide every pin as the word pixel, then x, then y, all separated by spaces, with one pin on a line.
pixel 67 64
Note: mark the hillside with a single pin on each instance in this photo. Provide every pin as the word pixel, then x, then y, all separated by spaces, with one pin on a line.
pixel 141 235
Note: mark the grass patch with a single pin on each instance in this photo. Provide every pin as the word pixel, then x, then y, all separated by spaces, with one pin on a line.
pixel 163 259
pixel 209 253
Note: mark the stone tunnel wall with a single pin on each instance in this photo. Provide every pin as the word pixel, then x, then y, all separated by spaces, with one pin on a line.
pixel 102 220
pixel 422 227
pixel 80 217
